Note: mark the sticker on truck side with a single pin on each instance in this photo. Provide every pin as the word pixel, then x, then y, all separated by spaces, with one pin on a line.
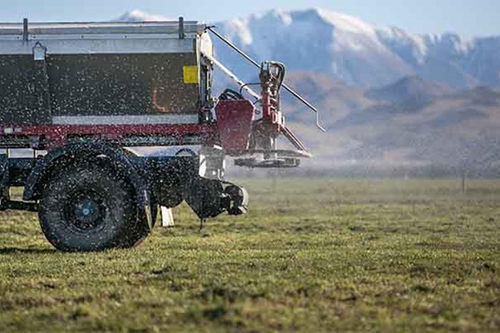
pixel 191 74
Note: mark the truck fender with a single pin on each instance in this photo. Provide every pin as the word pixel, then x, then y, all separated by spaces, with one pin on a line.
pixel 119 161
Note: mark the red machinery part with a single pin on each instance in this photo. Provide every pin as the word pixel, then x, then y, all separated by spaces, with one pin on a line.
pixel 234 123
pixel 57 135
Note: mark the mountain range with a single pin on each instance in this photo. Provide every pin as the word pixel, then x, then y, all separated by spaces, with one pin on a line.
pixel 361 54
pixel 386 96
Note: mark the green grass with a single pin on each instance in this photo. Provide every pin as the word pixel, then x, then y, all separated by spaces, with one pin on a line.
pixel 322 255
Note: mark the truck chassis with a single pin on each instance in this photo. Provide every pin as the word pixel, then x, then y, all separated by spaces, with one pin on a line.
pixel 90 191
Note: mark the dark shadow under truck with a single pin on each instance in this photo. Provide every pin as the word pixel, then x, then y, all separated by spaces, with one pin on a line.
pixel 82 92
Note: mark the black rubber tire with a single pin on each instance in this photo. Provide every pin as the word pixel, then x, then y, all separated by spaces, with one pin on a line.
pixel 110 194
pixel 140 231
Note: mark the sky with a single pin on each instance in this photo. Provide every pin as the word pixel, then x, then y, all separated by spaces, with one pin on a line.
pixel 467 17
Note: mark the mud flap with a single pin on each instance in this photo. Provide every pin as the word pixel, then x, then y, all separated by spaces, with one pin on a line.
pixel 208 194
pixel 204 197
pixel 167 218
pixel 210 198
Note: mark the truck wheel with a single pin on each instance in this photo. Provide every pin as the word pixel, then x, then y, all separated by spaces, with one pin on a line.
pixel 88 208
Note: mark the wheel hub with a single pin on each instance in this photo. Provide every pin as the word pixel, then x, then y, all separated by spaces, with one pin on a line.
pixel 87 211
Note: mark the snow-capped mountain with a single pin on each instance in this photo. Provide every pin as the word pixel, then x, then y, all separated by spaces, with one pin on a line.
pixel 316 40
pixel 359 53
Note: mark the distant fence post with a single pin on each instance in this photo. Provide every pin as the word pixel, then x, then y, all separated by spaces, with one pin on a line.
pixel 464 177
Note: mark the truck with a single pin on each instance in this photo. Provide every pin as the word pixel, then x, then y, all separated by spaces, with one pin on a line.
pixel 80 96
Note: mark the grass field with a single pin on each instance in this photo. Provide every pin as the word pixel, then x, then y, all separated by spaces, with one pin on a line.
pixel 322 255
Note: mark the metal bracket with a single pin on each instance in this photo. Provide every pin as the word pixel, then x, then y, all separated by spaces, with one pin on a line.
pixel 212 163
pixel 41 79
pixel 39 52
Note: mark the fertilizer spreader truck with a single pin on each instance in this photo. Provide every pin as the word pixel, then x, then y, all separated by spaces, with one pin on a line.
pixel 79 95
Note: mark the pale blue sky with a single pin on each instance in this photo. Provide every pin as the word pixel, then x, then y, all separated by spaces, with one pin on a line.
pixel 468 17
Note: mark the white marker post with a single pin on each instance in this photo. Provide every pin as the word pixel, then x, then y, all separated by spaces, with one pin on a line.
pixel 167 218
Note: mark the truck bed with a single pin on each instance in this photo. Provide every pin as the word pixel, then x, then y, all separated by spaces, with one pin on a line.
pixel 100 73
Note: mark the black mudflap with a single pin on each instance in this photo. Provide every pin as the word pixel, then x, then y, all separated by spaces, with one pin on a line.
pixel 210 198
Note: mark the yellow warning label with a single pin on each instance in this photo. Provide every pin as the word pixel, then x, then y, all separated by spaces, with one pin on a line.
pixel 191 74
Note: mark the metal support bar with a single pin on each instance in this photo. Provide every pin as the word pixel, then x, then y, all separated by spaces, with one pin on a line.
pixel 25 30
pixel 293 139
pixel 255 63
pixel 182 35
pixel 41 80
pixel 233 76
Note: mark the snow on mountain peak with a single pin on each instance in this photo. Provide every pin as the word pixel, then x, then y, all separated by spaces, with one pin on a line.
pixel 337 20
pixel 459 44
pixel 284 16
pixel 345 22
pixel 279 15
pixel 416 45
pixel 137 15
pixel 237 29
pixel 346 31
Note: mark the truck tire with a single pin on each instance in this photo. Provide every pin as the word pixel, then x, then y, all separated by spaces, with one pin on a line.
pixel 136 235
pixel 88 207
